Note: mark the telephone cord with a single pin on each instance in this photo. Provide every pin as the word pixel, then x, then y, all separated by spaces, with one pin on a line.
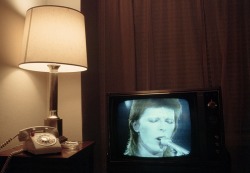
pixel 5 166
pixel 7 142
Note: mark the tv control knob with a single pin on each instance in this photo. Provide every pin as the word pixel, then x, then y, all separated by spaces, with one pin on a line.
pixel 217 151
pixel 212 104
pixel 217 137
pixel 217 144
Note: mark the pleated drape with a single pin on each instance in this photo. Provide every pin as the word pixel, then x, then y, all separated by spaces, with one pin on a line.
pixel 184 44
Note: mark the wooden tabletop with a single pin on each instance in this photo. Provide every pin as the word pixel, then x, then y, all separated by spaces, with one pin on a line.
pixel 66 153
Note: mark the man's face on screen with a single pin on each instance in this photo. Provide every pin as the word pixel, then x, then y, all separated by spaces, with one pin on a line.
pixel 153 125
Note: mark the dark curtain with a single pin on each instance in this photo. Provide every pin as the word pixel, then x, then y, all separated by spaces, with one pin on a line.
pixel 228 40
pixel 170 44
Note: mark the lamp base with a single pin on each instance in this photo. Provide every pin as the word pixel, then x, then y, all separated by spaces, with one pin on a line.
pixel 54 122
pixel 57 123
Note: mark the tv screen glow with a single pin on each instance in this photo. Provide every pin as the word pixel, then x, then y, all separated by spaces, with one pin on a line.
pixel 151 127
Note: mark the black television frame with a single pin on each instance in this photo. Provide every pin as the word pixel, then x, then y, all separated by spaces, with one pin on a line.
pixel 207 129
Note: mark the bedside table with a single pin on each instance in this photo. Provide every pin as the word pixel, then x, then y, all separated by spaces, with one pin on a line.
pixel 68 161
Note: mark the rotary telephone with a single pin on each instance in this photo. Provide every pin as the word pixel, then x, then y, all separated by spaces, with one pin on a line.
pixel 37 140
pixel 40 140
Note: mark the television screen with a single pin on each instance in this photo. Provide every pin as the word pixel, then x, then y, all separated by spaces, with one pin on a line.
pixel 154 127
pixel 151 125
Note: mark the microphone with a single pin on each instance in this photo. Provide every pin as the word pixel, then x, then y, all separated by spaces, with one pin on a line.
pixel 179 149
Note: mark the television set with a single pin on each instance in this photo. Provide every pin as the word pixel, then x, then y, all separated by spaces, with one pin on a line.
pixel 166 131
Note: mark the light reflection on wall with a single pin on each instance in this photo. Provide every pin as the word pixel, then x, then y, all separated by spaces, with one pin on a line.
pixel 21 6
pixel 23 94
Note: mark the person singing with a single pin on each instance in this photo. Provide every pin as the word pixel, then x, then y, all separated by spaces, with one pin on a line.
pixel 152 125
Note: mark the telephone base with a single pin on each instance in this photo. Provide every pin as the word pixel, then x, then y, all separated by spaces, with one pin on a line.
pixel 53 150
pixel 42 143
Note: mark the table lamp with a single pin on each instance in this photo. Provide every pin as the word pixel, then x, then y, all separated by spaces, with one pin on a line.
pixel 54 41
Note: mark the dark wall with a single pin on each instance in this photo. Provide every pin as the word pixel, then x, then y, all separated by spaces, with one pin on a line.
pixel 90 81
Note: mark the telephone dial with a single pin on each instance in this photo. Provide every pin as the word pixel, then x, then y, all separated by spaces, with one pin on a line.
pixel 40 140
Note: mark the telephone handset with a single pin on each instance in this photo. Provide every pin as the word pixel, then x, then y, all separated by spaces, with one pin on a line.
pixel 40 140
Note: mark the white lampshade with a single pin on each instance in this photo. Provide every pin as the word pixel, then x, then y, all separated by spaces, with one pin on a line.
pixel 54 35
